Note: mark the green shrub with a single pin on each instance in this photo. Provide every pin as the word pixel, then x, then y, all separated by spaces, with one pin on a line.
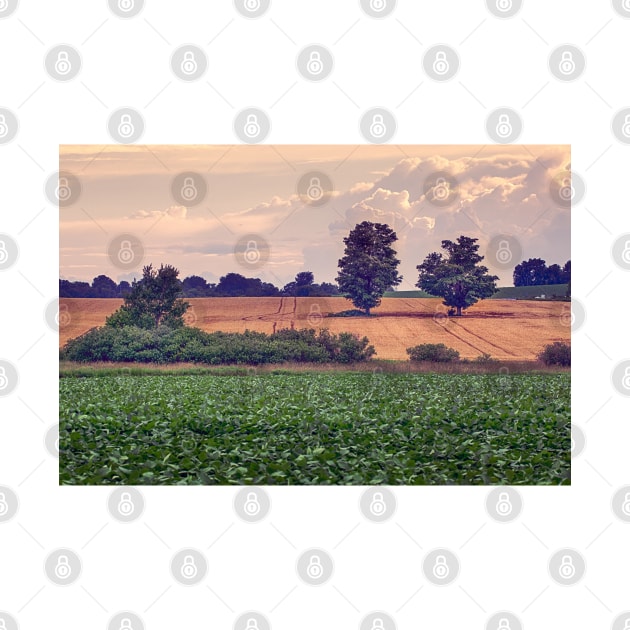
pixel 435 352
pixel 557 353
pixel 187 344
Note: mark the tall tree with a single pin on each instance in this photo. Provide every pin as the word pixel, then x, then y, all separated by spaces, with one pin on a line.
pixel 369 265
pixel 457 275
pixel 154 300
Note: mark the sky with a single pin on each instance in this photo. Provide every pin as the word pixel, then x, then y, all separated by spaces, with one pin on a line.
pixel 253 193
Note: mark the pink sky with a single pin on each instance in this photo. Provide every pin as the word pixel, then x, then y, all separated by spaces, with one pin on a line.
pixel 253 190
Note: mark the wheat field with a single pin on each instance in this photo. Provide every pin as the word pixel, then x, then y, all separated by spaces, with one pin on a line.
pixel 506 329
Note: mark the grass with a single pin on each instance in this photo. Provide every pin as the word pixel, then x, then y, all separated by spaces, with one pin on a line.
pixel 315 428
pixel 504 293
pixel 70 369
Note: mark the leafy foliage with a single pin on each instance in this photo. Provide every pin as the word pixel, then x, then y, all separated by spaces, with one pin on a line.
pixel 153 301
pixel 457 277
pixel 557 353
pixel 369 265
pixel 316 429
pixel 535 272
pixel 168 345
pixel 435 352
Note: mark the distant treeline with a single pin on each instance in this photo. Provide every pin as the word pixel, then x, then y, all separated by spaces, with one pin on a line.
pixel 535 272
pixel 230 285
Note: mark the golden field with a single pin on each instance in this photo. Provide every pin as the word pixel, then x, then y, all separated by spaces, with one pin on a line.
pixel 510 330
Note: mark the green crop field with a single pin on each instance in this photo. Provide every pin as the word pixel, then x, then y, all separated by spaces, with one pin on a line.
pixel 316 428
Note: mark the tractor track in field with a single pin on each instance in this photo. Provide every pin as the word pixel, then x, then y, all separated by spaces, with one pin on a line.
pixel 494 345
pixel 450 332
pixel 251 318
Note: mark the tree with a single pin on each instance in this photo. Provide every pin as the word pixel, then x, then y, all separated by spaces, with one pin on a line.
pixel 457 277
pixel 195 286
pixel 104 287
pixel 303 284
pixel 530 273
pixel 153 301
pixel 369 265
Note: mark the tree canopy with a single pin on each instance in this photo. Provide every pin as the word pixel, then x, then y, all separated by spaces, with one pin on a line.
pixel 457 275
pixel 369 266
pixel 153 300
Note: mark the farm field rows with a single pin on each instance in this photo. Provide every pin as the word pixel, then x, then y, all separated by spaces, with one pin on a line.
pixel 351 428
pixel 510 330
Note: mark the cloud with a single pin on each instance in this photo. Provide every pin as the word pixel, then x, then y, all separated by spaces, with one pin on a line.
pixel 174 212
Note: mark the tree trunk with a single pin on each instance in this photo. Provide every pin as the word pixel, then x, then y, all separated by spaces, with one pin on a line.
pixel 459 311
pixel 367 311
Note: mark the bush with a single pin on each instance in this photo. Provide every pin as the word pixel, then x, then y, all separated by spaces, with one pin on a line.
pixel 435 352
pixel 557 353
pixel 187 344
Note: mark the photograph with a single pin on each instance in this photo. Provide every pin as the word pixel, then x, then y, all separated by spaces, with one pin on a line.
pixel 314 314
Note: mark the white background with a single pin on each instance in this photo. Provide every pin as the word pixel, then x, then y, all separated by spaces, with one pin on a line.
pixel 252 63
